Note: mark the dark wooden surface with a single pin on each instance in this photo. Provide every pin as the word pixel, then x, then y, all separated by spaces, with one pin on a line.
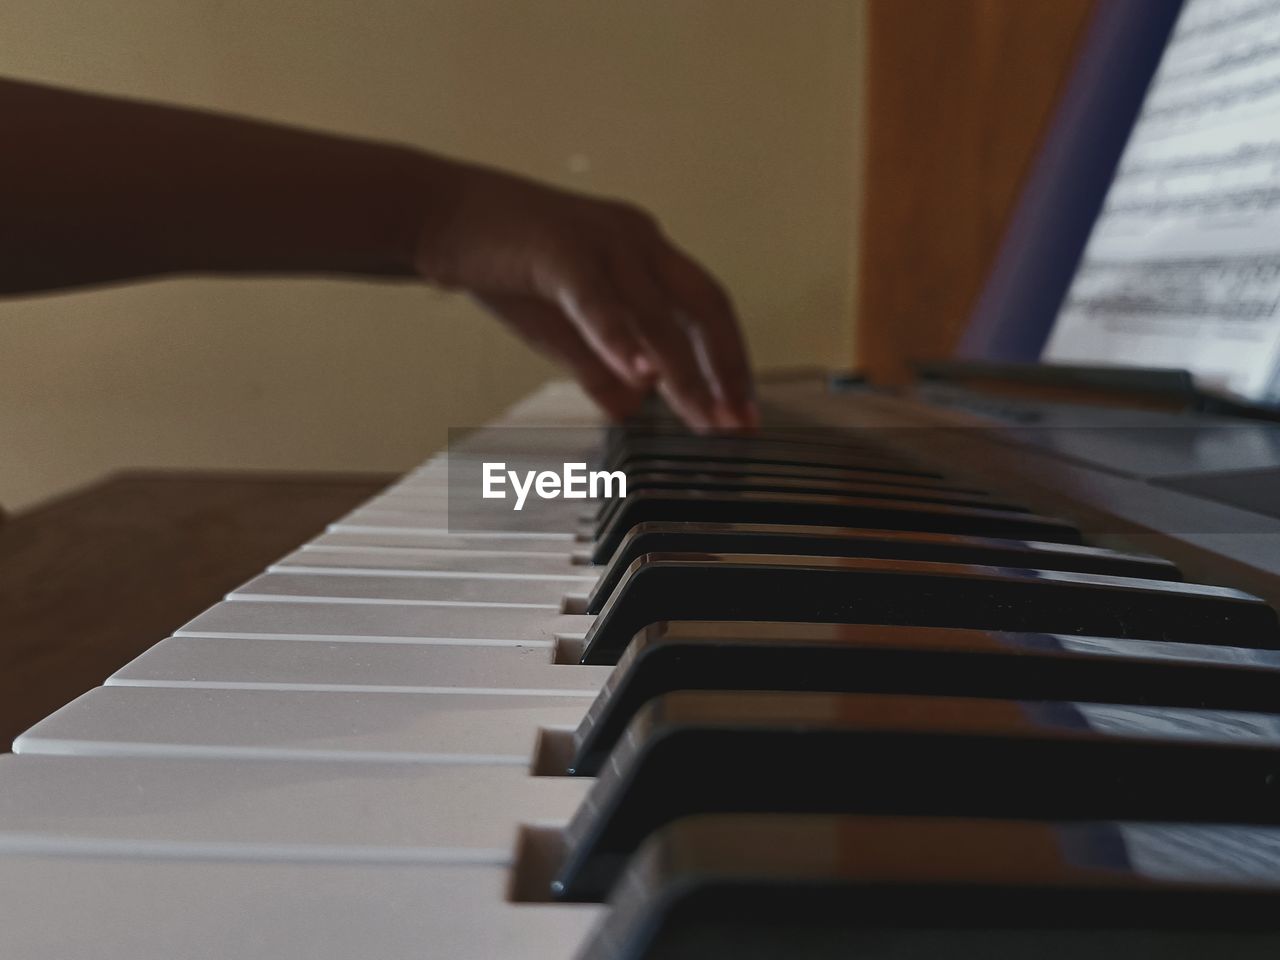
pixel 91 580
pixel 958 95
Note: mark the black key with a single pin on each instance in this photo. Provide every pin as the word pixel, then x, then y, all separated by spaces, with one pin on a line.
pixel 691 753
pixel 683 537
pixel 838 441
pixel 910 593
pixel 709 461
pixel 646 481
pixel 833 887
pixel 792 471
pixel 813 510
pixel 645 473
pixel 744 451
pixel 841 658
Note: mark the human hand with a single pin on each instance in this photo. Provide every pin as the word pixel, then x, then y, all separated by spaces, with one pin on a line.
pixel 594 283
pixel 597 286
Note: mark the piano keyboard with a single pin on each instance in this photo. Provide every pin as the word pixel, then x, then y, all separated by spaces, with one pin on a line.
pixel 788 698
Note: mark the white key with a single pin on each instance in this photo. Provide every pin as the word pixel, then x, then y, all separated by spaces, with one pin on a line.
pixel 525 521
pixel 298 724
pixel 416 490
pixel 348 535
pixel 81 908
pixel 275 810
pixel 372 516
pixel 434 475
pixel 435 483
pixel 466 489
pixel 436 505
pixel 359 667
pixel 510 563
pixel 389 622
pixel 411 497
pixel 438 462
pixel 523 447
pixel 544 594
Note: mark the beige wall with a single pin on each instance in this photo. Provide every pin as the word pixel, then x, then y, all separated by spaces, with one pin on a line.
pixel 735 120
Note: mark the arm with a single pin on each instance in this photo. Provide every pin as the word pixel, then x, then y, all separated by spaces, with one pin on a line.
pixel 96 190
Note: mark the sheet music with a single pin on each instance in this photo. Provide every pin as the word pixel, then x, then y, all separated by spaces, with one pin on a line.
pixel 1183 266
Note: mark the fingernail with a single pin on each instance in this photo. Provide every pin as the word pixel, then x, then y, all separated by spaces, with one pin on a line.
pixel 702 420
pixel 725 417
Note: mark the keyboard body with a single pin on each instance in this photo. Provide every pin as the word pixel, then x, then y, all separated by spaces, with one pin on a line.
pixel 364 751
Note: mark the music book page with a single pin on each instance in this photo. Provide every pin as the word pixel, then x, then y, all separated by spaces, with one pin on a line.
pixel 1183 266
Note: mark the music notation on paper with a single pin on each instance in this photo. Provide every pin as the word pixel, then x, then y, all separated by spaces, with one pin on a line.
pixel 1183 266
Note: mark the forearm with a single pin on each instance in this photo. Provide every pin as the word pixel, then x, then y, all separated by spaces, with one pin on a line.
pixel 96 189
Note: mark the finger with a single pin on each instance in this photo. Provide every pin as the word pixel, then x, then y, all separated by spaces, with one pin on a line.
pixel 669 345
pixel 546 329
pixel 704 301
pixel 587 297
